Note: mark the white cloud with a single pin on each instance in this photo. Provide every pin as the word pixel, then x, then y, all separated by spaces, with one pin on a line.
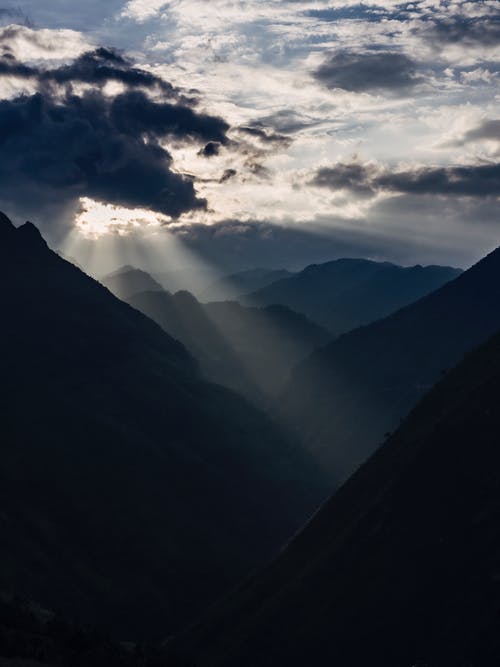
pixel 143 9
pixel 96 219
pixel 27 44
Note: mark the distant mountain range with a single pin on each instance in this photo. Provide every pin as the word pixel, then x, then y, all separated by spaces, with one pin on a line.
pixel 205 283
pixel 346 293
pixel 127 281
pixel 235 285
pixel 402 566
pixel 347 395
pixel 251 350
pixel 193 280
pixel 132 492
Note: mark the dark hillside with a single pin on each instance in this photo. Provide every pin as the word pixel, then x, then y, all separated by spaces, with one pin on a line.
pixel 401 567
pixel 132 492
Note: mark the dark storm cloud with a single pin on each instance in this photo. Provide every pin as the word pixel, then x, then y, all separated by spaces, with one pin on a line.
pixel 364 72
pixel 134 113
pixel 58 145
pixel 9 66
pixel 73 148
pixel 96 67
pixel 468 181
pixel 103 65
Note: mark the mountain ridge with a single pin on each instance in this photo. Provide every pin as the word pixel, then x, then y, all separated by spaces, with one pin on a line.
pixel 348 394
pixel 348 292
pixel 128 281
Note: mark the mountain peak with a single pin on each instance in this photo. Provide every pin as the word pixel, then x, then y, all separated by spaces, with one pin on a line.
pixel 6 226
pixel 126 268
pixel 31 233
pixel 128 280
pixel 185 297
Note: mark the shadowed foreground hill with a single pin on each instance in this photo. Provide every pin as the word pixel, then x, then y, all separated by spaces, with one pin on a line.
pixel 401 567
pixel 346 293
pixel 347 395
pixel 132 492
pixel 250 350
pixel 31 636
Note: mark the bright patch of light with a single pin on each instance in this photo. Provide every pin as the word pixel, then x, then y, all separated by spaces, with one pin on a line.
pixel 97 219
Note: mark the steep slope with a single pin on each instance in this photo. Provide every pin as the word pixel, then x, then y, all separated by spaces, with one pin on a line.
pixel 346 396
pixel 269 341
pixel 346 293
pixel 236 284
pixel 251 350
pixel 401 567
pixel 127 281
pixel 131 491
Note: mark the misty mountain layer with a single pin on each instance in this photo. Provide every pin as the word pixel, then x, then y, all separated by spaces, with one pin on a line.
pixel 235 285
pixel 346 293
pixel 128 281
pixel 347 395
pixel 250 350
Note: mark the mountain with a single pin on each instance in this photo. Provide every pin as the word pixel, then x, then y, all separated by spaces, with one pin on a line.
pixel 347 395
pixel 250 350
pixel 132 492
pixel 127 281
pixel 401 567
pixel 193 279
pixel 346 293
pixel 234 285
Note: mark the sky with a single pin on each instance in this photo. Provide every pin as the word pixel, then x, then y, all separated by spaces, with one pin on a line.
pixel 239 134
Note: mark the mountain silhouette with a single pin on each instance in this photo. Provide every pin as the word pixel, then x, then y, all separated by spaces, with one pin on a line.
pixel 132 491
pixel 401 566
pixel 346 293
pixel 127 281
pixel 250 350
pixel 346 396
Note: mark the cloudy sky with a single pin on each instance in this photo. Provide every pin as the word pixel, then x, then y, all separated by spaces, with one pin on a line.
pixel 271 132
